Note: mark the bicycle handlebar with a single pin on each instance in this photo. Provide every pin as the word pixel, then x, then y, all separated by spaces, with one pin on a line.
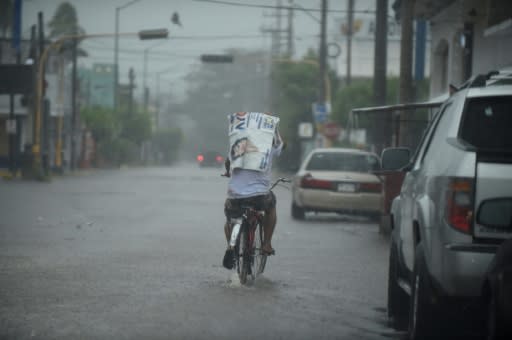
pixel 277 181
pixel 280 179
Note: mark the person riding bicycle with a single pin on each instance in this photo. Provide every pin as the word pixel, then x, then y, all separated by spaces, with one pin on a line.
pixel 251 187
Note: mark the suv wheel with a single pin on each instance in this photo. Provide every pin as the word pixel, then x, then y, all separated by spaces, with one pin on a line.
pixel 398 300
pixel 423 321
pixel 297 212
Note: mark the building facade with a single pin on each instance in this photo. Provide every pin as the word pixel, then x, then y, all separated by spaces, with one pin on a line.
pixel 468 37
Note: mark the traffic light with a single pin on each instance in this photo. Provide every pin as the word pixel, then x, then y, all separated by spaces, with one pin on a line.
pixel 162 33
pixel 217 58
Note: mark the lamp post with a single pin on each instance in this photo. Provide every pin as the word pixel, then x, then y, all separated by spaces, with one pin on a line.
pixel 158 74
pixel 145 74
pixel 36 146
pixel 116 52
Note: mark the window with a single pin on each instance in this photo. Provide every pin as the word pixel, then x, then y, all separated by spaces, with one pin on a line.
pixel 487 122
pixel 343 161
pixel 426 139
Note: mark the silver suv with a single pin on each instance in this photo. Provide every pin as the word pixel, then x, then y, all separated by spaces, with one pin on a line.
pixel 455 204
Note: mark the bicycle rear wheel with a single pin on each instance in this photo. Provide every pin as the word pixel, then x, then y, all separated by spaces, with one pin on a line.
pixel 260 258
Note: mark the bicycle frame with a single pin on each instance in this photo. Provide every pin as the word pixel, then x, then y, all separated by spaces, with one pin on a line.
pixel 244 233
pixel 243 238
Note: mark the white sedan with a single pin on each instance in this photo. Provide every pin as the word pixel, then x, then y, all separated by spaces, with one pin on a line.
pixel 337 180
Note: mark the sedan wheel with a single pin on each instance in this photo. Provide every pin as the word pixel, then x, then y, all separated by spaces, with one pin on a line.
pixel 297 212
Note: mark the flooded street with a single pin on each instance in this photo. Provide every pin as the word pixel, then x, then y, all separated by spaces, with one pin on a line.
pixel 137 253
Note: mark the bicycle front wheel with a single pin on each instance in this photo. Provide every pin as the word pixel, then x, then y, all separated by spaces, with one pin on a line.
pixel 260 258
pixel 244 258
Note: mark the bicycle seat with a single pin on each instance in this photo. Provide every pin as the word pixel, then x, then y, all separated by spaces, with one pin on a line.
pixel 250 207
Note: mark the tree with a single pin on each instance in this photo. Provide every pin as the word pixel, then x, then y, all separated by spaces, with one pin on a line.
pixel 166 144
pixel 65 22
pixel 360 94
pixel 297 84
pixel 136 127
pixel 102 123
pixel 216 90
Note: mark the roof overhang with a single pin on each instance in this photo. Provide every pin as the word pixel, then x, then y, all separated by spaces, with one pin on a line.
pixel 503 28
pixel 432 104
pixel 426 9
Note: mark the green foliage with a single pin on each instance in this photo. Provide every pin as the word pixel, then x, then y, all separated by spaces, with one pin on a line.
pixel 65 21
pixel 101 121
pixel 137 127
pixel 216 90
pixel 118 136
pixel 117 151
pixel 360 94
pixel 166 144
pixel 296 85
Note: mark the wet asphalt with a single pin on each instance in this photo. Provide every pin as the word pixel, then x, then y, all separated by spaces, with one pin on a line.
pixel 136 254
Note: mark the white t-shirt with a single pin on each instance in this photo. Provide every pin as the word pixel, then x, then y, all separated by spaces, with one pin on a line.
pixel 248 183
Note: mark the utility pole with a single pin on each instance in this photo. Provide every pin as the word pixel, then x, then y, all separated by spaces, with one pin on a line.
pixel 275 34
pixel 14 134
pixel 44 125
pixel 382 127
pixel 73 106
pixel 406 51
pixel 131 76
pixel 322 55
pixel 350 29
pixel 289 40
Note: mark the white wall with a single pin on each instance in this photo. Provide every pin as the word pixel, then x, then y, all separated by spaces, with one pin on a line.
pixel 489 52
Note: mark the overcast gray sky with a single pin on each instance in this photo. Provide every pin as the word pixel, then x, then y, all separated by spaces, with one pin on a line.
pixel 208 27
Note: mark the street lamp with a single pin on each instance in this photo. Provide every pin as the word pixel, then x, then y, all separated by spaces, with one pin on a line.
pixel 116 52
pixel 145 73
pixel 158 74
pixel 36 147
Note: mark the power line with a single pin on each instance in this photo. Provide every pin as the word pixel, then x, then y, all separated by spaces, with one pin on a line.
pixel 230 3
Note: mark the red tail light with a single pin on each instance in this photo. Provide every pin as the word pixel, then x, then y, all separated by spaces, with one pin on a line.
pixel 459 200
pixel 200 158
pixel 308 181
pixel 218 159
pixel 370 187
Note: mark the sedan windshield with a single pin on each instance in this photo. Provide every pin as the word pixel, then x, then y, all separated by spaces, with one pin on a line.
pixel 342 161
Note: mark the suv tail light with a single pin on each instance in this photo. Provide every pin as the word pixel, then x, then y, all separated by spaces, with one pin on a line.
pixel 459 203
pixel 200 158
pixel 219 159
pixel 308 181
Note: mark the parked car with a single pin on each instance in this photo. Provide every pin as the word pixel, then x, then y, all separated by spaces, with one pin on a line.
pixel 210 159
pixel 454 208
pixel 337 180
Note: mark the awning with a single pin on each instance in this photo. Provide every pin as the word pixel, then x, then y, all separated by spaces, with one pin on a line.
pixel 433 103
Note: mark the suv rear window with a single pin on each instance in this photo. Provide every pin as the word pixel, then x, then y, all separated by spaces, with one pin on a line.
pixel 487 123
pixel 343 161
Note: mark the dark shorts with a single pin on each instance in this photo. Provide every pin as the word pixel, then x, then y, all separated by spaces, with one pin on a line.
pixel 233 206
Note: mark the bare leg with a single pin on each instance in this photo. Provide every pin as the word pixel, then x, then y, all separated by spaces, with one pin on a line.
pixel 269 224
pixel 227 231
pixel 228 261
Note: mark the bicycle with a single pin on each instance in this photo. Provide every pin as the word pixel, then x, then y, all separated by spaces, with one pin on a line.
pixel 247 240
